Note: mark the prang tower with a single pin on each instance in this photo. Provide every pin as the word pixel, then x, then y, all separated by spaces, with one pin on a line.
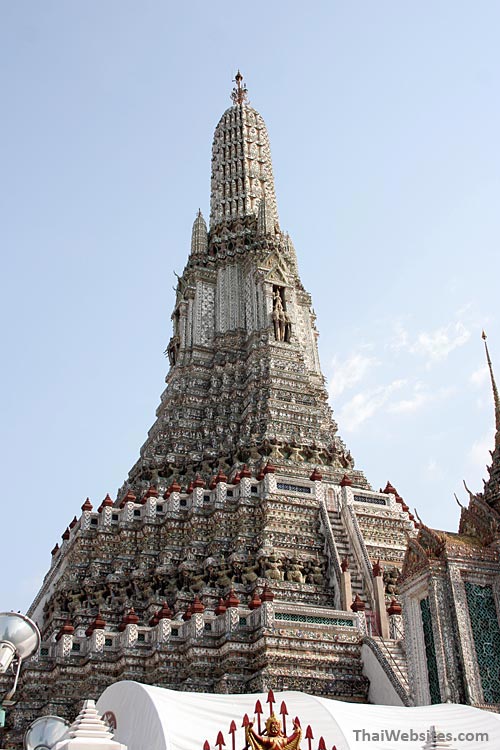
pixel 244 552
pixel 245 382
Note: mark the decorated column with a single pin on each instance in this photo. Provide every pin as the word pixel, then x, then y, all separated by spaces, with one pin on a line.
pixel 86 515
pixel 197 621
pixel 174 500
pixel 245 482
pixel 221 489
pixel 127 505
pixel 379 591
pixel 198 491
pixel 232 615
pixel 394 612
pixel 106 511
pixel 162 622
pixel 346 490
pixel 151 499
pixel 95 632
pixel 345 585
pixel 267 608
pixel 358 607
pixel 319 489
pixel 269 478
pixel 64 639
pixel 128 629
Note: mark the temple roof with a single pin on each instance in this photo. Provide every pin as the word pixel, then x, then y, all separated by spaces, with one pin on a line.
pixel 436 545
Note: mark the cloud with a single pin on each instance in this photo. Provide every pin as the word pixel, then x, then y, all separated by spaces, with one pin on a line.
pixel 480 376
pixel 349 373
pixel 433 345
pixel 434 470
pixel 400 339
pixel 365 404
pixel 416 401
pixel 421 397
pixel 479 454
pixel 438 344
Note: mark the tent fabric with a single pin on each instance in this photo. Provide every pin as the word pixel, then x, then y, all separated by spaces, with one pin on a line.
pixel 154 718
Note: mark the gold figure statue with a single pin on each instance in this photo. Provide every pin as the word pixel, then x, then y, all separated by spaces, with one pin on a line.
pixel 274 739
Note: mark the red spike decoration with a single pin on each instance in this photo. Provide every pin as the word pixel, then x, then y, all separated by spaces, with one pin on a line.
pixel 309 736
pixel 232 731
pixel 271 700
pixel 206 746
pixel 258 711
pixel 220 741
pixel 284 713
pixel 297 721
pixel 246 722
pixel 321 744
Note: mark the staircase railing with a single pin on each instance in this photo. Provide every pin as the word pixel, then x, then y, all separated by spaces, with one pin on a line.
pixel 331 547
pixel 359 548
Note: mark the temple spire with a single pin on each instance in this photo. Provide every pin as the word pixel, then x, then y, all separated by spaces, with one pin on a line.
pixel 496 399
pixel 241 164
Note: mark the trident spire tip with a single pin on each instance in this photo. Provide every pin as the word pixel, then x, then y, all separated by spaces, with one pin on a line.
pixel 496 398
pixel 239 92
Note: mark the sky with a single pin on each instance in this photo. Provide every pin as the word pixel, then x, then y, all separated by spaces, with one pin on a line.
pixel 383 119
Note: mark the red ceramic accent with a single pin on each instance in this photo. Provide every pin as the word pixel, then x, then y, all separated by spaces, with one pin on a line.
pixel 87 505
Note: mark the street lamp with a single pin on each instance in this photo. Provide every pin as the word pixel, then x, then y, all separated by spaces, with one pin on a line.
pixel 19 639
pixel 45 732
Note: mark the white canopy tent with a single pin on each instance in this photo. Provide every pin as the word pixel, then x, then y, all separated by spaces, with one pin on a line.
pixel 153 718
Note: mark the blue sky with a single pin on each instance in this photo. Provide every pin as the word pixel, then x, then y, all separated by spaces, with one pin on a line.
pixel 384 121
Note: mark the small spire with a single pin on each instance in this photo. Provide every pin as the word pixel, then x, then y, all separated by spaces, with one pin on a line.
pixel 496 399
pixel 199 235
pixel 239 92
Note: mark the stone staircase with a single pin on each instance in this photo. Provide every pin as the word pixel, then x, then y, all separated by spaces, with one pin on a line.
pixel 389 653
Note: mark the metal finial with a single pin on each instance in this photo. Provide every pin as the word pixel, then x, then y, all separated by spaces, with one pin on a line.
pixel 239 92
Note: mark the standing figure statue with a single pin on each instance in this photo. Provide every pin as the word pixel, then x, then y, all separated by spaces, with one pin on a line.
pixel 273 739
pixel 279 318
pixel 172 350
pixel 288 328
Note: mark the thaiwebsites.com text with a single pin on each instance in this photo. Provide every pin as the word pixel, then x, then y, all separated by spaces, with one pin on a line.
pixel 413 735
